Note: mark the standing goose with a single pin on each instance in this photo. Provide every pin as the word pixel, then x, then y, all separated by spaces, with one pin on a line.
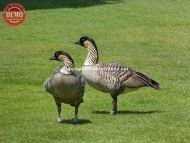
pixel 112 78
pixel 66 84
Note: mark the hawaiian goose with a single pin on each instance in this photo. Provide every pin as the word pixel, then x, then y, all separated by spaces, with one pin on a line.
pixel 112 78
pixel 66 84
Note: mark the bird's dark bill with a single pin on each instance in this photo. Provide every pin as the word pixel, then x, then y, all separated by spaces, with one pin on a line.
pixel 52 58
pixel 78 43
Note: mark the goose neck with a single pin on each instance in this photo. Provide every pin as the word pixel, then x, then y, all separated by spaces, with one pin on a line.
pixel 92 56
pixel 68 66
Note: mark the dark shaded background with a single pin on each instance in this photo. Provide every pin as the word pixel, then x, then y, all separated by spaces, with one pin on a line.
pixel 49 4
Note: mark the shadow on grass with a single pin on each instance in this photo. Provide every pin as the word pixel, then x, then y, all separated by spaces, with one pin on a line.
pixel 128 112
pixel 81 121
pixel 52 4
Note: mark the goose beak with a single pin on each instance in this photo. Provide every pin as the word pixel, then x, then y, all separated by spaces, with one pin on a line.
pixel 52 58
pixel 78 43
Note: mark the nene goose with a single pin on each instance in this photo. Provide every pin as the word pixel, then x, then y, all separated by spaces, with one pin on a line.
pixel 66 84
pixel 112 78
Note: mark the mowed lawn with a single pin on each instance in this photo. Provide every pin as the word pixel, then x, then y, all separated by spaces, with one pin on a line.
pixel 151 36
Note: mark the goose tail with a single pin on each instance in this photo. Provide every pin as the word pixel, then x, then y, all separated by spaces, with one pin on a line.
pixel 148 81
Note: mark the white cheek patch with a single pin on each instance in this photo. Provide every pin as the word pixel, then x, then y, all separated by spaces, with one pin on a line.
pixel 87 44
pixel 61 57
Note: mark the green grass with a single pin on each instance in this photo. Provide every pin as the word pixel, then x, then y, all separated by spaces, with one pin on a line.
pixel 148 35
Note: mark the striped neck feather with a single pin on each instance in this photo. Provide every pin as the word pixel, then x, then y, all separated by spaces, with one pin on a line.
pixel 68 66
pixel 92 56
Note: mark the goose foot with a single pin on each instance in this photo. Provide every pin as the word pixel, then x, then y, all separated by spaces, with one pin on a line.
pixel 113 112
pixel 75 120
pixel 59 120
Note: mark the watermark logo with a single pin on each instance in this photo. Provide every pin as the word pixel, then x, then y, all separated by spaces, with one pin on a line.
pixel 14 14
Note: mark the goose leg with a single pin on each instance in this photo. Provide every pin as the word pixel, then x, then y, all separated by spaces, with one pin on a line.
pixel 59 112
pixel 114 106
pixel 75 120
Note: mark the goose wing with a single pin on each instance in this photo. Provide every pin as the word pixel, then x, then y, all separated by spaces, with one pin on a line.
pixel 48 85
pixel 122 72
pixel 109 79
pixel 81 78
pixel 127 76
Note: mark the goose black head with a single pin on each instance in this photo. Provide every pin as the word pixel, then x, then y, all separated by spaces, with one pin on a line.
pixel 83 39
pixel 58 55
